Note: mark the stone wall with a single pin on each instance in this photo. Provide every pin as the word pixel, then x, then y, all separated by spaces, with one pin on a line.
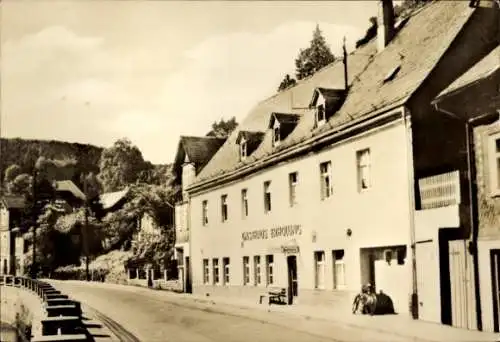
pixel 20 308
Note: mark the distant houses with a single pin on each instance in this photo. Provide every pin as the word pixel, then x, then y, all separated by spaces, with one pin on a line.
pixel 11 246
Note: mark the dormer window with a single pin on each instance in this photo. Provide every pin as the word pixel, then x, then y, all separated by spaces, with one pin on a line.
pixel 326 102
pixel 282 125
pixel 248 142
pixel 320 114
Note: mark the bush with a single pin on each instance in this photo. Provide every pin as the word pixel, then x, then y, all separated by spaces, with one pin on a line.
pixel 78 273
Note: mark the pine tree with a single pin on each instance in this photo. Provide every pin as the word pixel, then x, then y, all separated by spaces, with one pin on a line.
pixel 313 58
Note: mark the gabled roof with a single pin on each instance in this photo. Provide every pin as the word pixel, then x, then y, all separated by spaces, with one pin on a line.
pixel 69 186
pixel 283 118
pixel 417 47
pixel 484 68
pixel 327 94
pixel 110 199
pixel 13 202
pixel 199 150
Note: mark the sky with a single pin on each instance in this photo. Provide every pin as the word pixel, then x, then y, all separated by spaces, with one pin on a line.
pixel 93 71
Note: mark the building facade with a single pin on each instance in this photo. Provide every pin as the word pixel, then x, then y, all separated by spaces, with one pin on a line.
pixel 474 98
pixel 11 249
pixel 193 153
pixel 319 190
pixel 314 221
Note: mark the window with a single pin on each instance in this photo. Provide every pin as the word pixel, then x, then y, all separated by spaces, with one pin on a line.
pixel 204 212
pixel 292 183
pixel 276 135
pixel 244 203
pixel 246 270
pixel 320 114
pixel 243 150
pixel 215 269
pixel 326 181
pixel 495 164
pixel 269 269
pixel 363 161
pixel 319 260
pixel 225 262
pixel 223 207
pixel 206 272
pixel 256 270
pixel 338 269
pixel 267 196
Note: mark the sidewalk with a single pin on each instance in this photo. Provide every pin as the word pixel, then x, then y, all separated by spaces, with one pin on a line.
pixel 399 325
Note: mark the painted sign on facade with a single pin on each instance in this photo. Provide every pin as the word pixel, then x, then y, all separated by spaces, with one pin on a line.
pixel 276 232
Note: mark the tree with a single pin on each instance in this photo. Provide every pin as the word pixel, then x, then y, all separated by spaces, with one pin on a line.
pixel 11 173
pixel 223 129
pixel 313 58
pixel 21 185
pixel 120 165
pixel 287 83
pixel 370 33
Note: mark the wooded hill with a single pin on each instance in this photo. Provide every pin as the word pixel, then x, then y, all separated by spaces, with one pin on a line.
pixel 73 159
pixel 25 153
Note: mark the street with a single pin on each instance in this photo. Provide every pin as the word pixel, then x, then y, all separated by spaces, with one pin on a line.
pixel 151 315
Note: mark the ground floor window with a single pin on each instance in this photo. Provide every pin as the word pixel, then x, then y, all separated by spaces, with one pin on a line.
pixel 338 269
pixel 319 260
pixel 246 270
pixel 215 270
pixel 206 272
pixel 256 270
pixel 270 269
pixel 225 262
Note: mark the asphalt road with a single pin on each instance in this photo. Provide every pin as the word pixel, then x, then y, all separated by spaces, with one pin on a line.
pixel 150 315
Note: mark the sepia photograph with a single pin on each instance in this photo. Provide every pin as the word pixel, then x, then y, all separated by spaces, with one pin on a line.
pixel 250 171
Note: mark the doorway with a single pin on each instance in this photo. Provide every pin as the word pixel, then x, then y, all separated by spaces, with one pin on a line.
pixel 293 285
pixel 188 276
pixel 495 287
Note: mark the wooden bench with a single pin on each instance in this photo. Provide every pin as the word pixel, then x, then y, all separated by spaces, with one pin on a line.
pixel 274 295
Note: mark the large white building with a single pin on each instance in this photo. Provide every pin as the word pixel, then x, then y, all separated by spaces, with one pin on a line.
pixel 317 190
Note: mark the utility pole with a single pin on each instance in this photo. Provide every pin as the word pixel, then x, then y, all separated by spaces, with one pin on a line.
pixel 34 218
pixel 85 231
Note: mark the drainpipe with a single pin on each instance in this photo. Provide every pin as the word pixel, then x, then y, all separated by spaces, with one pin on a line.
pixel 411 207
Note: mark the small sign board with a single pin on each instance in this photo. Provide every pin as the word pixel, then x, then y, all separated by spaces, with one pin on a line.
pixel 290 249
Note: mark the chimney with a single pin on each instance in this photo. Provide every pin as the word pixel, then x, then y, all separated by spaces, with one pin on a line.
pixel 385 30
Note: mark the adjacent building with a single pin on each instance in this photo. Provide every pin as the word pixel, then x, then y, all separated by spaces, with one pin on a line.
pixel 11 243
pixel 193 153
pixel 474 100
pixel 322 188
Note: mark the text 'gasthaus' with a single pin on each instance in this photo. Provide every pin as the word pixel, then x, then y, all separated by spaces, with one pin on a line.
pixel 263 234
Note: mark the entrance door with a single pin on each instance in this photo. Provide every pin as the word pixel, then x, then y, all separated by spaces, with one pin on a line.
pixel 188 276
pixel 495 286
pixel 293 286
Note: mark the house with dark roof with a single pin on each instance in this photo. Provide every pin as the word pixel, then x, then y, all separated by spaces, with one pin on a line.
pixel 69 192
pixel 359 178
pixel 11 212
pixel 474 100
pixel 193 154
